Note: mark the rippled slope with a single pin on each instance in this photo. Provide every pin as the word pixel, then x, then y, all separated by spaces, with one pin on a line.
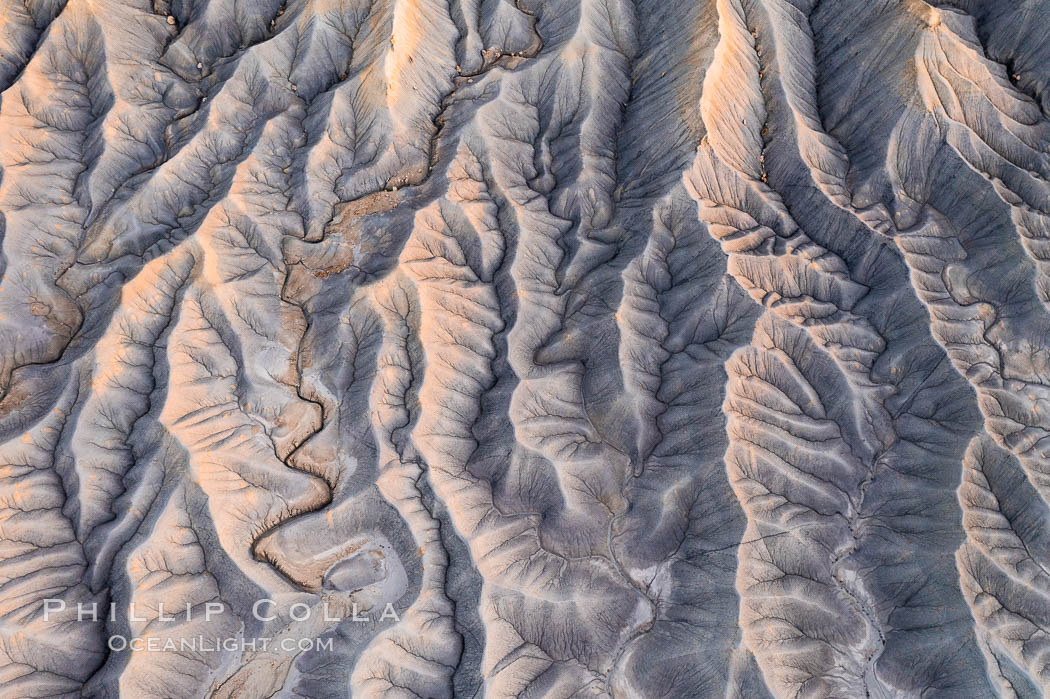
pixel 508 348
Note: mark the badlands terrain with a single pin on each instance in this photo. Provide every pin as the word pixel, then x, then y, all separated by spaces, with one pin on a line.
pixel 524 348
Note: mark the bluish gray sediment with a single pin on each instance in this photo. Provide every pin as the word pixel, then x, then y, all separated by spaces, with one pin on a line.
pixel 522 348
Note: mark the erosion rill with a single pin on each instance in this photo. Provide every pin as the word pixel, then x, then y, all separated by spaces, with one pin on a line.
pixel 524 348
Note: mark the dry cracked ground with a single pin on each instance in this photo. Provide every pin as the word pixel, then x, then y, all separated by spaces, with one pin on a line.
pixel 522 348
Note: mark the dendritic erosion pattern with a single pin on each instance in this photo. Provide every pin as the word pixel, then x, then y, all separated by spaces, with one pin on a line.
pixel 511 348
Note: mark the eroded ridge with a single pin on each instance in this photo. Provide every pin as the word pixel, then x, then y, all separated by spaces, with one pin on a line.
pixel 461 348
